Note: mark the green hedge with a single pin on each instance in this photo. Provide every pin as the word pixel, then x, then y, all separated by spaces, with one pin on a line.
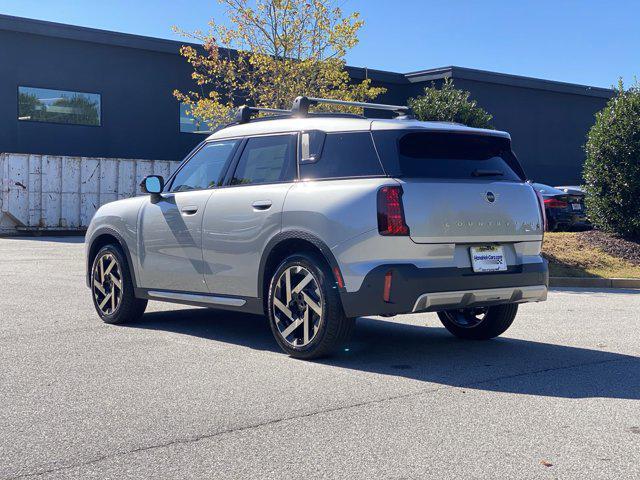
pixel 612 167
pixel 448 104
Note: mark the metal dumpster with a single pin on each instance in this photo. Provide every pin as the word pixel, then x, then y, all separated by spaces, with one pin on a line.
pixel 49 193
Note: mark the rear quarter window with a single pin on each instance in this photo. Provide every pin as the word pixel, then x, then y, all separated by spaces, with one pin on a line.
pixel 447 155
pixel 344 155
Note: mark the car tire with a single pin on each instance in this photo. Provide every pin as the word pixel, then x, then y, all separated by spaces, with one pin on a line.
pixel 113 292
pixel 479 323
pixel 304 310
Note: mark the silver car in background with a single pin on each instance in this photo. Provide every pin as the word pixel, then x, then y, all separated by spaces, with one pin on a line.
pixel 315 219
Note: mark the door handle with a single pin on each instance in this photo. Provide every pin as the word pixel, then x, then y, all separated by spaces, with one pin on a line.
pixel 189 210
pixel 261 205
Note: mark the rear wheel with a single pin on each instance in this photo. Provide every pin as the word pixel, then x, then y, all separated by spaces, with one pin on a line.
pixel 112 287
pixel 304 308
pixel 479 323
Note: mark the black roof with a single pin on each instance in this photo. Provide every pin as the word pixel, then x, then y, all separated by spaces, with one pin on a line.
pixel 507 79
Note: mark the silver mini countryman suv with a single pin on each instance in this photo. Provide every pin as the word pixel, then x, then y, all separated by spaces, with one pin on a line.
pixel 314 219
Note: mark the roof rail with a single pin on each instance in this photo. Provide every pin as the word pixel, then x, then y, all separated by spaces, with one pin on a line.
pixel 245 112
pixel 301 106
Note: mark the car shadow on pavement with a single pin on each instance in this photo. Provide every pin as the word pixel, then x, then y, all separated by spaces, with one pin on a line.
pixel 432 355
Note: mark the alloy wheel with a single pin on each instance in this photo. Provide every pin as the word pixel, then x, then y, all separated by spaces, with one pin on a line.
pixel 297 306
pixel 107 283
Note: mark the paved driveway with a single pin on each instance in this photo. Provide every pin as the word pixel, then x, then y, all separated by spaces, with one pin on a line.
pixel 194 393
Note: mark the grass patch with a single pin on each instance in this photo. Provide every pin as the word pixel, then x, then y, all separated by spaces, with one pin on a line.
pixel 569 256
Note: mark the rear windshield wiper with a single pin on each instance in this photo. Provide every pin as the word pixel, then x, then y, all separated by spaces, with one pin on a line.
pixel 486 173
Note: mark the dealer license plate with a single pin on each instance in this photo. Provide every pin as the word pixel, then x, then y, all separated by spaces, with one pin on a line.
pixel 488 258
pixel 576 206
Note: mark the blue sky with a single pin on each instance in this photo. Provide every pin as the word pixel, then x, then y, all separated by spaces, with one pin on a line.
pixel 587 42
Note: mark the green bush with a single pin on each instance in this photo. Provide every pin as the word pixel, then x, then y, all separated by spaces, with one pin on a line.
pixel 448 104
pixel 612 167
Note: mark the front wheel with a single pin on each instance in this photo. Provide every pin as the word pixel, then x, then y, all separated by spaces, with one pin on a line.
pixel 112 287
pixel 479 323
pixel 304 308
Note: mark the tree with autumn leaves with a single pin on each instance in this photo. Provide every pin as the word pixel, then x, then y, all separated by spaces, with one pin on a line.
pixel 271 52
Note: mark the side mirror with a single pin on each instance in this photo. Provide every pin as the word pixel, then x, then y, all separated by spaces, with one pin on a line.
pixel 152 184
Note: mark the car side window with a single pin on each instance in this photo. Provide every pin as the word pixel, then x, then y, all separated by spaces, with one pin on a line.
pixel 269 159
pixel 205 168
pixel 343 155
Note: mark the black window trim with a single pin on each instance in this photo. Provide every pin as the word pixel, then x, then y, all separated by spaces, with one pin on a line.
pixel 350 177
pixel 234 163
pixel 299 160
pixel 57 123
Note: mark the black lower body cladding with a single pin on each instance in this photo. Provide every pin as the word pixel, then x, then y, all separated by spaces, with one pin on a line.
pixel 410 282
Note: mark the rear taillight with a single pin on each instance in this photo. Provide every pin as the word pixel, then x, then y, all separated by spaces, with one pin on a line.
pixel 542 211
pixel 555 203
pixel 390 212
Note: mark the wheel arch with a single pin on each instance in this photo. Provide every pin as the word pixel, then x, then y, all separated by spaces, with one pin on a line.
pixel 283 245
pixel 99 239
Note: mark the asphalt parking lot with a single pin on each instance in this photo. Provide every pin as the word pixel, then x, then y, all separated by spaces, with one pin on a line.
pixel 195 393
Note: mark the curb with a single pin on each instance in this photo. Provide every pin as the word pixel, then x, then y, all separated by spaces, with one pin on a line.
pixel 594 282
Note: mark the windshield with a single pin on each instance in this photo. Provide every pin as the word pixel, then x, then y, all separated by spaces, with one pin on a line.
pixel 447 155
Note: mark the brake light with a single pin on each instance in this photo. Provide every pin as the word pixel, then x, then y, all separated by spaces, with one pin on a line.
pixel 543 213
pixel 391 219
pixel 555 203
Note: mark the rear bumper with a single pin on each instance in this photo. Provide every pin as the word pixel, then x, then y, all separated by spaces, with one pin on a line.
pixel 416 289
pixel 567 219
pixel 487 296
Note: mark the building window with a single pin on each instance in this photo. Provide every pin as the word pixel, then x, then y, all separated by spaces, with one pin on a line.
pixel 191 124
pixel 58 106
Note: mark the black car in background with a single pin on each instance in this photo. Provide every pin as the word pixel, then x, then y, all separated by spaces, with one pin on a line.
pixel 564 207
pixel 572 190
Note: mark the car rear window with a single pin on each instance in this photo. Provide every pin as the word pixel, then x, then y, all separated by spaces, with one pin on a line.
pixel 343 155
pixel 447 155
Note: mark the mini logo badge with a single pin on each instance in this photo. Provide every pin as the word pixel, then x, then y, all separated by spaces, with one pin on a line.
pixel 490 197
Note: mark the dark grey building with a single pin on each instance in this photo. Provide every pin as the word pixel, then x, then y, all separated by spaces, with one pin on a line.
pixel 67 90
